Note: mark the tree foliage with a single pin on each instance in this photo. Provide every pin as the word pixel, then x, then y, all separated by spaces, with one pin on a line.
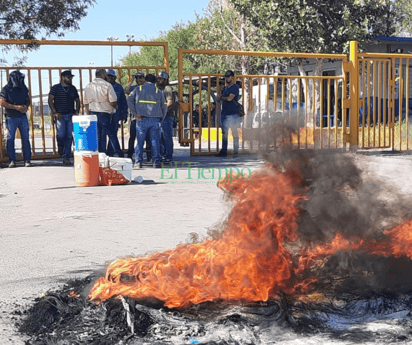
pixel 317 26
pixel 221 28
pixel 37 19
pixel 403 10
pixel 181 36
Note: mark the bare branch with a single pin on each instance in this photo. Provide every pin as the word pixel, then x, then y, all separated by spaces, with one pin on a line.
pixel 227 26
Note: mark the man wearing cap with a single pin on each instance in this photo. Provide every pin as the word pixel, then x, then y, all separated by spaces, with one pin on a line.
pixel 140 80
pixel 121 112
pixel 100 99
pixel 64 102
pixel 229 116
pixel 15 98
pixel 166 130
pixel 148 105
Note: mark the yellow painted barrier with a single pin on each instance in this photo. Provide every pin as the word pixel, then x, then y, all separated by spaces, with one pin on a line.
pixel 42 131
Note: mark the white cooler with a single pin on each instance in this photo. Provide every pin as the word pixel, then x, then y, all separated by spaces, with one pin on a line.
pixel 122 165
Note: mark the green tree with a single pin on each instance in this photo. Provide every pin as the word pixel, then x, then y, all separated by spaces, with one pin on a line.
pixel 317 26
pixel 222 28
pixel 181 36
pixel 403 10
pixel 37 19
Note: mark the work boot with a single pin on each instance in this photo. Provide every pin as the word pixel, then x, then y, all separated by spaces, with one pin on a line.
pixel 221 154
pixel 12 164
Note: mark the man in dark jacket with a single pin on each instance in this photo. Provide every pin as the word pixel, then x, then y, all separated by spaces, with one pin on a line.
pixel 15 98
pixel 121 111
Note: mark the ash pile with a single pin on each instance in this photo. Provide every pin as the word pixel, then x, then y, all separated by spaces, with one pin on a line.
pixel 313 248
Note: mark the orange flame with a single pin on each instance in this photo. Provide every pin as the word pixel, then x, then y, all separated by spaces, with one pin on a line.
pixel 248 262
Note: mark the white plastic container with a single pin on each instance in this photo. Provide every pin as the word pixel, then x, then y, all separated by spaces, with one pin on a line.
pixel 122 165
pixel 103 160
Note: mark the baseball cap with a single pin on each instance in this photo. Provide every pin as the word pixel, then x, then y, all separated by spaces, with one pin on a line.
pixel 150 78
pixel 163 75
pixel 229 73
pixel 111 72
pixel 138 74
pixel 67 74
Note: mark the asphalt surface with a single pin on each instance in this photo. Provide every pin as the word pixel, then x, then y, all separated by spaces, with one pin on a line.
pixel 52 231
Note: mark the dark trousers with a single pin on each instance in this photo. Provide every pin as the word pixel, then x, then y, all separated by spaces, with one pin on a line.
pixel 103 129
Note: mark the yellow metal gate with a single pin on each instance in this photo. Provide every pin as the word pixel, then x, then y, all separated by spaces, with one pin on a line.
pixel 39 80
pixel 318 105
pixel 387 90
pixel 365 105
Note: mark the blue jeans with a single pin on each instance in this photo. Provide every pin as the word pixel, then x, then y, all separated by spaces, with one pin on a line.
pixel 132 139
pixel 103 128
pixel 20 122
pixel 233 122
pixel 148 125
pixel 114 127
pixel 64 134
pixel 166 138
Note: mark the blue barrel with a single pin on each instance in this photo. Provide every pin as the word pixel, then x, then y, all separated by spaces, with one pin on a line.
pixel 85 132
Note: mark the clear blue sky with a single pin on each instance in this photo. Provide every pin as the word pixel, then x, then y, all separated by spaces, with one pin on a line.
pixel 143 19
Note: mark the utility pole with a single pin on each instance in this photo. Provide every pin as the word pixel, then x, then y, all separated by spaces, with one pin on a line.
pixel 130 38
pixel 112 38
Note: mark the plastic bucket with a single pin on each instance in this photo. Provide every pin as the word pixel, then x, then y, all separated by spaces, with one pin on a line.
pixel 85 132
pixel 123 166
pixel 86 168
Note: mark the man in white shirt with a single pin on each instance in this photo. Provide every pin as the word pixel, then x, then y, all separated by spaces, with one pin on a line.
pixel 100 99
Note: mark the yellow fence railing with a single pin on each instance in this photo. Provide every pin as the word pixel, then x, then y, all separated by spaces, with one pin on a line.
pixel 366 103
pixel 317 105
pixel 39 80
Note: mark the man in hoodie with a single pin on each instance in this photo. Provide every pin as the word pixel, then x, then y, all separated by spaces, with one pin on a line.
pixel 15 98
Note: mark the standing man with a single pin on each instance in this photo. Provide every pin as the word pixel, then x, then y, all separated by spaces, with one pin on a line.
pixel 100 99
pixel 229 116
pixel 140 80
pixel 148 105
pixel 15 98
pixel 166 131
pixel 121 112
pixel 64 102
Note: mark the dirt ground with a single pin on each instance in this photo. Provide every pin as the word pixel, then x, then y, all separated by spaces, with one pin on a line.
pixel 52 231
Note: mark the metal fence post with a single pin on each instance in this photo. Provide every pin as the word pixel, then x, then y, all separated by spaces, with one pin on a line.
pixel 354 96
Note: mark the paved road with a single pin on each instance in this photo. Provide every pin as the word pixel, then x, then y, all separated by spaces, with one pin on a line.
pixel 52 230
